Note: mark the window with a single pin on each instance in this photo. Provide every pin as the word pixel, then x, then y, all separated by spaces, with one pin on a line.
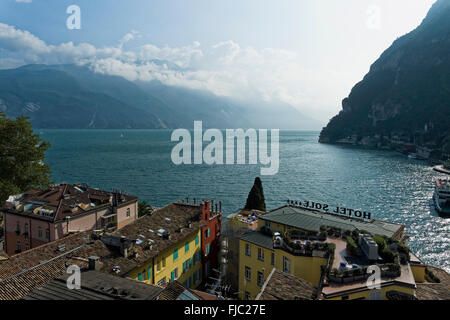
pixel 190 282
pixel 174 275
pixel 207 233
pixel 18 227
pixel 195 278
pixel 260 254
pixel 208 248
pixel 186 265
pixel 272 259
pixel 40 233
pixel 128 212
pixel 140 276
pixel 149 273
pixel 267 224
pixel 158 266
pixel 197 240
pixel 260 278
pixel 47 234
pixel 27 246
pixel 207 268
pixel 186 247
pixel 162 281
pixel 247 295
pixel 286 265
pixel 190 263
pixel 164 262
pixel 175 254
pixel 247 250
pixel 19 247
pixel 195 258
pixel 248 274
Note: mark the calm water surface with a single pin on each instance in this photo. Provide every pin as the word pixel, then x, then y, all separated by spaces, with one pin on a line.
pixel 386 183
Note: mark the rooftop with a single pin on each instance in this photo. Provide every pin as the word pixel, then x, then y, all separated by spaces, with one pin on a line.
pixel 62 201
pixel 95 285
pixel 312 220
pixel 435 291
pixel 282 286
pixel 406 278
pixel 258 238
pixel 162 229
pixel 175 291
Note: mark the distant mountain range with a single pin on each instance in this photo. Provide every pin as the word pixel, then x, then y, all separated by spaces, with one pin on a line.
pixel 406 94
pixel 70 96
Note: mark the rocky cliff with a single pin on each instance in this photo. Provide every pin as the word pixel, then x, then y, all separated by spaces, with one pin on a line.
pixel 406 94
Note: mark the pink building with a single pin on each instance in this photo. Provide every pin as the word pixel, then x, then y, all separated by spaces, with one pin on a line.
pixel 40 216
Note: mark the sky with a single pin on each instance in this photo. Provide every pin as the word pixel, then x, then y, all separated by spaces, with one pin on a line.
pixel 308 53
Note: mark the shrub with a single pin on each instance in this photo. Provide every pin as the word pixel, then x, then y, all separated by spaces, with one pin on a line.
pixel 381 244
pixel 351 245
pixel 447 164
pixel 432 276
pixel 388 256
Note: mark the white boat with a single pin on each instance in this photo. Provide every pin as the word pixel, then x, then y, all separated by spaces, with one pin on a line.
pixel 412 156
pixel 441 196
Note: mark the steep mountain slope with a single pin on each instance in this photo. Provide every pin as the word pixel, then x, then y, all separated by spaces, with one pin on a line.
pixel 70 96
pixel 406 92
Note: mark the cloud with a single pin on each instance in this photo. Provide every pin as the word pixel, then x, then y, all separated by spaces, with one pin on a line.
pixel 225 69
pixel 24 1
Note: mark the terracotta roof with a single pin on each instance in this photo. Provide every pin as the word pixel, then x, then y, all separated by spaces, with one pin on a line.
pixel 66 200
pixel 24 272
pixel 177 220
pixel 33 268
pixel 175 291
pixel 282 286
pixel 435 291
pixel 96 285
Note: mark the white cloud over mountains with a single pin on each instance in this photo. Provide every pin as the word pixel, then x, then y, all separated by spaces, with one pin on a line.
pixel 226 69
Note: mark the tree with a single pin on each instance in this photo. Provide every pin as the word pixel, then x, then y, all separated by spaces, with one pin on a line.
pixel 255 199
pixel 142 208
pixel 447 164
pixel 21 158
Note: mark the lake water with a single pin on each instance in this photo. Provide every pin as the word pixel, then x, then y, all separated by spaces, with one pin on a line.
pixel 386 183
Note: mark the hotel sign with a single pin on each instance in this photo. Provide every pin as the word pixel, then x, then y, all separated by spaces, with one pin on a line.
pixel 329 209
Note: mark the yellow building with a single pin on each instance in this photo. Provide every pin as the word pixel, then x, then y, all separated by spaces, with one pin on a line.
pixel 167 246
pixel 181 262
pixel 258 256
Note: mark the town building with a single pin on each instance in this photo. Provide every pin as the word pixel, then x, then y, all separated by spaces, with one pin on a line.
pixel 236 225
pixel 37 217
pixel 95 285
pixel 177 242
pixel 283 286
pixel 157 249
pixel 291 216
pixel 331 252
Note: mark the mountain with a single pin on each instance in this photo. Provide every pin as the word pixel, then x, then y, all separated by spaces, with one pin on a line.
pixel 71 96
pixel 406 94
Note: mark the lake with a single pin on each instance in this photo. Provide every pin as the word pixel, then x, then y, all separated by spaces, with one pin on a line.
pixel 385 183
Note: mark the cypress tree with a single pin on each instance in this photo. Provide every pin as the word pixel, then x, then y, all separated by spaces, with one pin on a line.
pixel 255 199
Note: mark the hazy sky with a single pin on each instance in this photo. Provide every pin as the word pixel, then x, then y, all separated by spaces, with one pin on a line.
pixel 308 53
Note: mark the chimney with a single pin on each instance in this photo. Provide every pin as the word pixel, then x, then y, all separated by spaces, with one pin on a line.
pixel 195 201
pixel 212 205
pixel 216 207
pixel 124 247
pixel 94 263
pixel 220 206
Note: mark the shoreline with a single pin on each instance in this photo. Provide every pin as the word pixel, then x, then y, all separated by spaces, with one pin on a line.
pixel 441 169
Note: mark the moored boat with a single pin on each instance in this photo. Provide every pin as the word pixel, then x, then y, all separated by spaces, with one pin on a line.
pixel 441 196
